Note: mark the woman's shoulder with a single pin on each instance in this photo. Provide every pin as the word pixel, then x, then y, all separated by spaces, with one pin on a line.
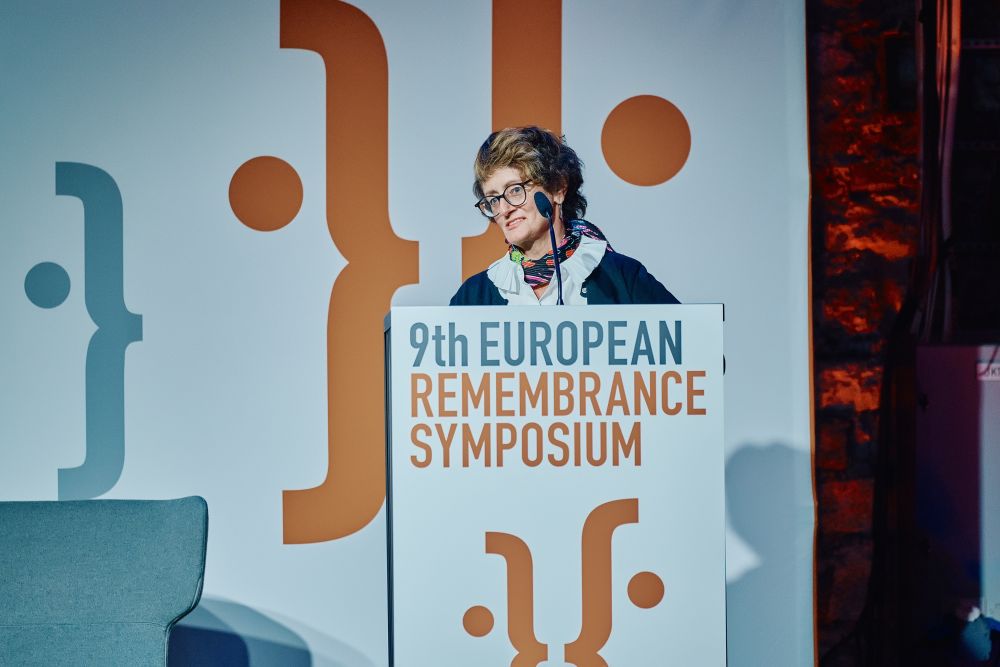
pixel 478 290
pixel 617 261
pixel 622 267
pixel 629 280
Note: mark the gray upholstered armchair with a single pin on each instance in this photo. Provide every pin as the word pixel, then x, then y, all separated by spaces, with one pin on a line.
pixel 97 582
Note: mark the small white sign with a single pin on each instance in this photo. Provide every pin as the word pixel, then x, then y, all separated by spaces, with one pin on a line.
pixel 988 371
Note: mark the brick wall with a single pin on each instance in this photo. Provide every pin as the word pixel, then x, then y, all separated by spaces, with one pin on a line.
pixel 864 160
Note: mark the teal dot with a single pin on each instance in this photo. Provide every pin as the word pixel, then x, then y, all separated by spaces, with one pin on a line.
pixel 47 285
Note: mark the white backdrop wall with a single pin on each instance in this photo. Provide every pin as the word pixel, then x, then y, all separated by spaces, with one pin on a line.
pixel 225 395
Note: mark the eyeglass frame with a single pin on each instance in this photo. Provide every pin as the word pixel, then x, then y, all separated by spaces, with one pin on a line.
pixel 503 195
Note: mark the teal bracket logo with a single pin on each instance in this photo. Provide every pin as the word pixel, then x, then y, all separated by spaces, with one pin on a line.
pixel 47 285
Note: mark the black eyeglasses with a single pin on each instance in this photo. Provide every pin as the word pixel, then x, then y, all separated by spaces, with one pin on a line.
pixel 515 194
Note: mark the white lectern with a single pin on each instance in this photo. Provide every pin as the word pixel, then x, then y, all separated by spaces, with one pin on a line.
pixel 556 486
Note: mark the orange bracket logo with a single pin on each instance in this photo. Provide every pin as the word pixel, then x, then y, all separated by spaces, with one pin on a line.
pixel 645 590
pixel 265 194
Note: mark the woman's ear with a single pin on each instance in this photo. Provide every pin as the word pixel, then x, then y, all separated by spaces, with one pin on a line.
pixel 559 195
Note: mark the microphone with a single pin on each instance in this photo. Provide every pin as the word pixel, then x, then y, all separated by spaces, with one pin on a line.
pixel 544 207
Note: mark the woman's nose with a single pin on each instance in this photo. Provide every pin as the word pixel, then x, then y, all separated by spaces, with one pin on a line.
pixel 504 207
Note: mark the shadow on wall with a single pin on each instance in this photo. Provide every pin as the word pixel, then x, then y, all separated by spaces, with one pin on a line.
pixel 769 504
pixel 225 633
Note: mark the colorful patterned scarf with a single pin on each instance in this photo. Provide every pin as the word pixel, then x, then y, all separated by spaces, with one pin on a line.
pixel 538 272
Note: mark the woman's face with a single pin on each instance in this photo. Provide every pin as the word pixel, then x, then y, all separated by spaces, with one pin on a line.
pixel 523 225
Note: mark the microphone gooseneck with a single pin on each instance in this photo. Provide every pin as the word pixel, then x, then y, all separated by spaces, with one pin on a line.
pixel 544 207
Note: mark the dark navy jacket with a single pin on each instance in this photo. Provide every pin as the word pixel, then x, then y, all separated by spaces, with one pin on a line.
pixel 616 279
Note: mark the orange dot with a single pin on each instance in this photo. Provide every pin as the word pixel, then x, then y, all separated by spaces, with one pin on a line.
pixel 645 590
pixel 265 193
pixel 646 140
pixel 478 621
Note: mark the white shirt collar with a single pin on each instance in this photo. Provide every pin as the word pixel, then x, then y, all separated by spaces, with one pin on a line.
pixel 508 276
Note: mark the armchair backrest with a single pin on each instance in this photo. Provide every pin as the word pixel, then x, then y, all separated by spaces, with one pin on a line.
pixel 97 582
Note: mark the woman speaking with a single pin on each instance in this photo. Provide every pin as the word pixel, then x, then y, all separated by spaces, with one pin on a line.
pixel 523 177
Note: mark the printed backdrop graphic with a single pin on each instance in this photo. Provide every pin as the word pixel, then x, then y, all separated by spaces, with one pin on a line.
pixel 207 208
